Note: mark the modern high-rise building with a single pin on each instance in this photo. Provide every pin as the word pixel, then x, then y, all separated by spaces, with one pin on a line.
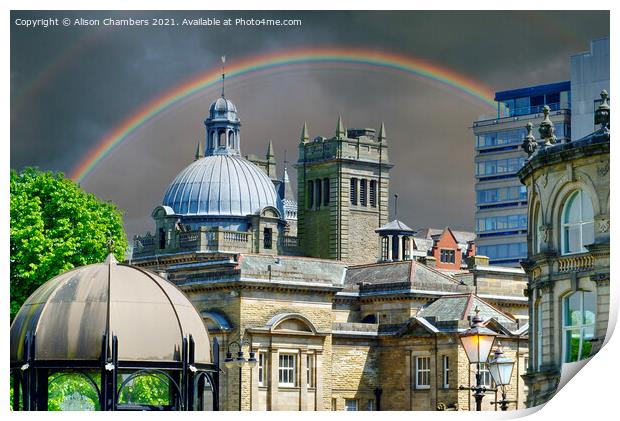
pixel 589 75
pixel 501 200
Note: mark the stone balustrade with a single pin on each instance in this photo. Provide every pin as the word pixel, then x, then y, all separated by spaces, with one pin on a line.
pixel 578 262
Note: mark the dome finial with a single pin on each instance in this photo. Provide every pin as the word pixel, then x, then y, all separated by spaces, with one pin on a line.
pixel 223 73
pixel 270 152
pixel 304 133
pixel 382 135
pixel 601 115
pixel 340 132
pixel 199 151
pixel 529 144
pixel 546 129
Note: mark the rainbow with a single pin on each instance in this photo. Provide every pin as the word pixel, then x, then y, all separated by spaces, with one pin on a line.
pixel 284 60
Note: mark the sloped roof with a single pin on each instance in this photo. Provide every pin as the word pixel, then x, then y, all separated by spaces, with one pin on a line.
pixel 462 237
pixel 406 275
pixel 460 307
pixel 395 225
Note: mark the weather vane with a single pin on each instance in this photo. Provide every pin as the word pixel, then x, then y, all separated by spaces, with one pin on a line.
pixel 223 73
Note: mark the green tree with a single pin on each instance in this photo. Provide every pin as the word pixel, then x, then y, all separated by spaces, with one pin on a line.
pixel 56 226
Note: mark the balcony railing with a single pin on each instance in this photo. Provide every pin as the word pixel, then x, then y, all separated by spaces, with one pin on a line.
pixel 575 263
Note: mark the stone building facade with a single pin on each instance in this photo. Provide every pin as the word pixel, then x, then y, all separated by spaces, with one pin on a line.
pixel 568 250
pixel 326 333
pixel 342 193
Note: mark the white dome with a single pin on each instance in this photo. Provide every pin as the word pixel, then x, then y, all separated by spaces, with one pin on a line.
pixel 223 108
pixel 221 185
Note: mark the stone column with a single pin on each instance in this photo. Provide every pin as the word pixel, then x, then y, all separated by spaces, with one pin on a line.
pixel 303 384
pixel 274 363
pixel 389 246
pixel 411 248
pixel 318 391
pixel 254 387
pixel 400 247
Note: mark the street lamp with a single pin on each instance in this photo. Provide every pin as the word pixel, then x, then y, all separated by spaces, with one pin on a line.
pixel 240 360
pixel 477 342
pixel 501 370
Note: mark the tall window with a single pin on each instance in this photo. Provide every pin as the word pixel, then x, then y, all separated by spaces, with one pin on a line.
pixel 385 243
pixel 319 192
pixel 353 191
pixel 577 223
pixel 538 237
pixel 286 370
pixel 370 405
pixel 578 325
pixel 447 256
pixel 446 371
pixel 364 192
pixel 373 193
pixel 350 404
pixel 310 370
pixel 539 333
pixel 262 359
pixel 267 238
pixel 310 194
pixel 423 372
pixel 326 191
pixel 485 375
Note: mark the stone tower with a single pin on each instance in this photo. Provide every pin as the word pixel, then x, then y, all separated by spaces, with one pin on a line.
pixel 342 193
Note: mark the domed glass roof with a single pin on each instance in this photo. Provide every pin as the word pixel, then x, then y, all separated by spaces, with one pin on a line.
pixel 70 313
pixel 221 185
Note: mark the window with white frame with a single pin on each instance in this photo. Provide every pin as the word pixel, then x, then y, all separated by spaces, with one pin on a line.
pixel 422 372
pixel 310 370
pixel 485 375
pixel 579 318
pixel 577 223
pixel 446 371
pixel 350 404
pixel 286 369
pixel 262 365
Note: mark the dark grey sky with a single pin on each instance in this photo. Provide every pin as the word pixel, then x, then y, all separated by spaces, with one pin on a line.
pixel 70 86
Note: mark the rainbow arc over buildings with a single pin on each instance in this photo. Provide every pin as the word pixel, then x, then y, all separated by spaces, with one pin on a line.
pixel 283 60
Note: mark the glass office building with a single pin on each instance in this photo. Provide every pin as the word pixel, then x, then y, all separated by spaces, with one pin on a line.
pixel 501 200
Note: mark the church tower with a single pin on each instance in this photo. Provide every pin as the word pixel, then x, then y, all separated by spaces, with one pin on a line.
pixel 342 193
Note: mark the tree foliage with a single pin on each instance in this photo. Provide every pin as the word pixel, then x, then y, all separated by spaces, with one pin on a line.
pixel 56 226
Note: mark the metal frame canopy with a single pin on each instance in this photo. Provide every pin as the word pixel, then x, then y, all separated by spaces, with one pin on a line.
pixel 111 323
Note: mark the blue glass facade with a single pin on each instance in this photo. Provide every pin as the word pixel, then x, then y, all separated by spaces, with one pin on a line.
pixel 501 199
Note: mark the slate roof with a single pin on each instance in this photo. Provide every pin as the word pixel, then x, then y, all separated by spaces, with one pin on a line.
pixel 399 277
pixel 395 225
pixel 462 237
pixel 460 307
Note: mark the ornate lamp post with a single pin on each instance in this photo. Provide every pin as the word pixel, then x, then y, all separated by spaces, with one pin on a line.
pixel 240 360
pixel 501 370
pixel 477 342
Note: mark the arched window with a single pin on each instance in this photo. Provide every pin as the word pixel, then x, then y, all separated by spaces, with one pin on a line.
pixel 364 192
pixel 221 142
pixel 577 223
pixel 319 193
pixel 353 192
pixel 538 237
pixel 579 318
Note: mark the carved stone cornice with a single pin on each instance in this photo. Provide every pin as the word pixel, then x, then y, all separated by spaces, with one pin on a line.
pixel 601 279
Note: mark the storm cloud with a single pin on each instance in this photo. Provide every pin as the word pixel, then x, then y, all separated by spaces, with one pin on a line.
pixel 71 85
